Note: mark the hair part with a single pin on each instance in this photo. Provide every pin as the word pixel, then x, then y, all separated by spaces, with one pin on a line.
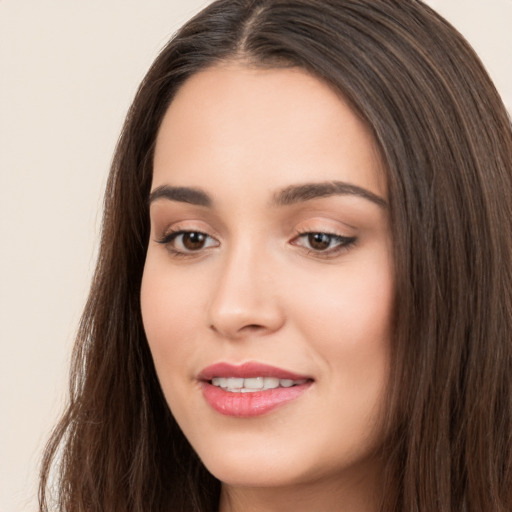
pixel 447 143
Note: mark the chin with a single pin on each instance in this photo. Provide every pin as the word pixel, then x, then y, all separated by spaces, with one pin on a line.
pixel 273 463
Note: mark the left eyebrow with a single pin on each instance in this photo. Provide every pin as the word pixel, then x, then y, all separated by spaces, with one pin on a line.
pixel 181 194
pixel 308 191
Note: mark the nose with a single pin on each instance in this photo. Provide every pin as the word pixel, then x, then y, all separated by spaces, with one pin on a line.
pixel 246 298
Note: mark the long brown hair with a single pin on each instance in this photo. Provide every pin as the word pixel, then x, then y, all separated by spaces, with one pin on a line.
pixel 447 143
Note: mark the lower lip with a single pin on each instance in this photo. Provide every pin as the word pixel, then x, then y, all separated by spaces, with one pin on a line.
pixel 248 405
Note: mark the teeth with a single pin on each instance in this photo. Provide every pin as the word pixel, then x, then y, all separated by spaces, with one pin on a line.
pixel 252 384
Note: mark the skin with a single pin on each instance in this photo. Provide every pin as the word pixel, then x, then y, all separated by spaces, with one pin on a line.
pixel 257 290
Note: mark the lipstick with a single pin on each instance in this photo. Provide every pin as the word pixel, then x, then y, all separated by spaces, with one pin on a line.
pixel 250 389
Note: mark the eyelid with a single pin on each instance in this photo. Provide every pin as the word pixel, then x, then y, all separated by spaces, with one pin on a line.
pixel 172 233
pixel 342 239
pixel 343 236
pixel 184 225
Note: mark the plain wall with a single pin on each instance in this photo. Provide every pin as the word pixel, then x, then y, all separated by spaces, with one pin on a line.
pixel 68 71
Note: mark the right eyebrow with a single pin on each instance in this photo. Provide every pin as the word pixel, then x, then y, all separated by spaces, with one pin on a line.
pixel 181 194
pixel 307 191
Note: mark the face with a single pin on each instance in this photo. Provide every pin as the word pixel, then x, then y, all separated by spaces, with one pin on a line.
pixel 267 289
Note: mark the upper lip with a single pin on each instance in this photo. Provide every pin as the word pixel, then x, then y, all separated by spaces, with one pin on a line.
pixel 246 371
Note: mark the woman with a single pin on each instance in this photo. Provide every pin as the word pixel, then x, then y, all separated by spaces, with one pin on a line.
pixel 303 293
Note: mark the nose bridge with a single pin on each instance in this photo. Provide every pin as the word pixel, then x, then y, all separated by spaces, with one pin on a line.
pixel 244 299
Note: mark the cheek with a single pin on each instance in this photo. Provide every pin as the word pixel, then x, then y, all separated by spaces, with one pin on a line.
pixel 354 306
pixel 348 324
pixel 169 313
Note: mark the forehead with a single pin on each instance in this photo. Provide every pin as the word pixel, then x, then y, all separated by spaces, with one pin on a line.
pixel 281 125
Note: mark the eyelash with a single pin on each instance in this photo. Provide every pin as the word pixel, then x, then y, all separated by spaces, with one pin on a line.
pixel 171 236
pixel 342 243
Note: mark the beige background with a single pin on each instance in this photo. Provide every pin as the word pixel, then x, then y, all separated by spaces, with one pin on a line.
pixel 68 71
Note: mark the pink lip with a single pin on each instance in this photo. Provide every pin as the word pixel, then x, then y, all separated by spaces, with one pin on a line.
pixel 246 405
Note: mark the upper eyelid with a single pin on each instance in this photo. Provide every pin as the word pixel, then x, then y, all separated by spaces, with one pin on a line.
pixel 326 230
pixel 175 232
pixel 326 226
pixel 328 233
pixel 186 226
pixel 317 224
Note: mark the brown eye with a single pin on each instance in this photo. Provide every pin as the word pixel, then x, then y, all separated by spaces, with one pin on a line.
pixel 186 242
pixel 193 241
pixel 319 241
pixel 325 244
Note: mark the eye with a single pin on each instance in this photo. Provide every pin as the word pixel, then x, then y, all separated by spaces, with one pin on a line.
pixel 326 243
pixel 186 242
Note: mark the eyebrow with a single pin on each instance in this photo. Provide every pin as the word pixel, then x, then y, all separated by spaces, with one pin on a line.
pixel 292 194
pixel 181 194
pixel 307 191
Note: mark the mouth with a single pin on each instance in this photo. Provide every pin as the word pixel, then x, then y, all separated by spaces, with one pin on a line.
pixel 253 384
pixel 250 389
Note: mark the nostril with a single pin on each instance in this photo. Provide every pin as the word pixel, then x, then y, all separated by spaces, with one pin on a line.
pixel 244 329
pixel 252 327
